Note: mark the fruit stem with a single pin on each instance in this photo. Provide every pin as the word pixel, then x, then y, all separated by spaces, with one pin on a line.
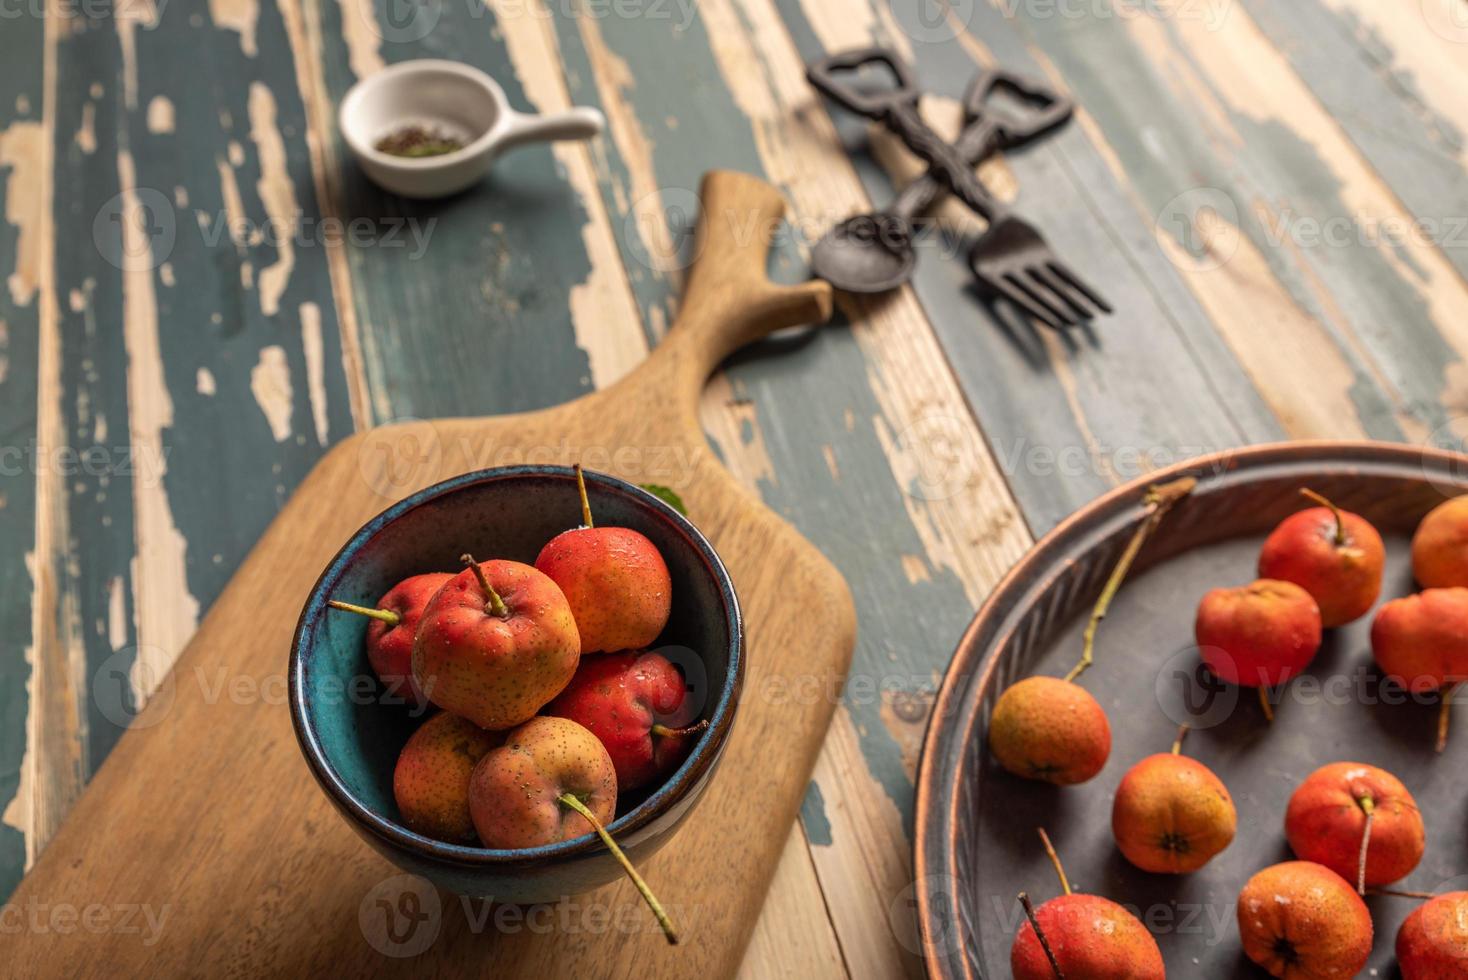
pixel 1369 805
pixel 1024 899
pixel 495 606
pixel 585 503
pixel 1054 860
pixel 1264 703
pixel 1445 716
pixel 663 731
pixel 385 615
pixel 1158 502
pixel 1177 743
pixel 568 800
pixel 1340 524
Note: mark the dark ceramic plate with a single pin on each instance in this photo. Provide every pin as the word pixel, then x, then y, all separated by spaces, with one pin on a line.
pixel 352 740
pixel 975 840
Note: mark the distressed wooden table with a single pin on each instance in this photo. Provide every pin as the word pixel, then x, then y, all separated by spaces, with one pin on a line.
pixel 1273 195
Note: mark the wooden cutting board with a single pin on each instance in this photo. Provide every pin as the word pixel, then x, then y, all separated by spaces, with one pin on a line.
pixel 204 847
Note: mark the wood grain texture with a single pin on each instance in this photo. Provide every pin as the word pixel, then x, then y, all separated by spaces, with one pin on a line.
pixel 27 349
pixel 300 881
pixel 847 432
pixel 185 310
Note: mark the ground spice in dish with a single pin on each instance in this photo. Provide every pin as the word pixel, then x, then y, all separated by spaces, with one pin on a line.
pixel 417 141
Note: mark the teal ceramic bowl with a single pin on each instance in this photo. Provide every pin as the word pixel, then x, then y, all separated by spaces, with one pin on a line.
pixel 350 731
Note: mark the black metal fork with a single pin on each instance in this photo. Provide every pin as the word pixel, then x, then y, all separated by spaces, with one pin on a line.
pixel 1011 259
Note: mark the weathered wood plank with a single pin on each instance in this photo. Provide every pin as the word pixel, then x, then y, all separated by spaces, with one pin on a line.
pixel 794 938
pixel 24 237
pixel 194 371
pixel 1227 118
pixel 86 606
pixel 1393 80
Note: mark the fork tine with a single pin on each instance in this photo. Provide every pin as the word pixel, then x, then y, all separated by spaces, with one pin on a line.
pixel 1031 290
pixel 1061 270
pixel 1062 290
pixel 1020 300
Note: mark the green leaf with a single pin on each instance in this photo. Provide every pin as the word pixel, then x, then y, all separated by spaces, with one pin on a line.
pixel 667 496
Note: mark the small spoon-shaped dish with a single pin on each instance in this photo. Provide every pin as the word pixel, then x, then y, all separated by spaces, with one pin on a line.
pixel 453 101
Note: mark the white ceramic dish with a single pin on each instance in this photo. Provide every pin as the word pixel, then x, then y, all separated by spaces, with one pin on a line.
pixel 454 99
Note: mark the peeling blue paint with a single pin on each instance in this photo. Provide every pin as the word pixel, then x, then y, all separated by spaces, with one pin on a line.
pixel 813 816
pixel 21 53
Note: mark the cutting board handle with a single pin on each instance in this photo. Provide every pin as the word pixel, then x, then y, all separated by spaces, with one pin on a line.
pixel 729 300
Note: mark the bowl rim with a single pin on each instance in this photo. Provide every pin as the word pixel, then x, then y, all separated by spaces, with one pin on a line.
pixel 701 758
pixel 955 718
pixel 401 73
